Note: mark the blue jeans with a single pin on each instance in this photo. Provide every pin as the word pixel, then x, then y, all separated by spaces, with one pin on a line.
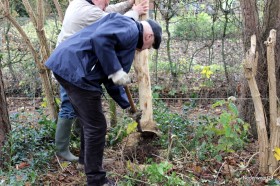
pixel 66 109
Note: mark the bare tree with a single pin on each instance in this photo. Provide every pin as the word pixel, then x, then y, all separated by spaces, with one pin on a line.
pixel 226 12
pixel 59 10
pixel 41 56
pixel 168 9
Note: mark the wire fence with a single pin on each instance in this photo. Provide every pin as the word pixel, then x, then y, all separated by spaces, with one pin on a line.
pixel 186 57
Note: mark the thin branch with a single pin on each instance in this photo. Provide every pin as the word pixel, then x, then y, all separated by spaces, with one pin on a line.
pixel 59 10
pixel 30 11
pixel 59 163
pixel 219 171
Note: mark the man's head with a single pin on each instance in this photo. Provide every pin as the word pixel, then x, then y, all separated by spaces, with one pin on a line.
pixel 151 34
pixel 102 4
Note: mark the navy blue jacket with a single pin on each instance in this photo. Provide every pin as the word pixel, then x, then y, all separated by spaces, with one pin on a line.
pixel 87 58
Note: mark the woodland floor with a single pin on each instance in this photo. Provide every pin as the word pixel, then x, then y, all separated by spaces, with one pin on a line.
pixel 116 159
pixel 222 173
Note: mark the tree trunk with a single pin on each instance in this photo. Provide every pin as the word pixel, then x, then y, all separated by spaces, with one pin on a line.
pixel 252 25
pixel 156 52
pixel 5 125
pixel 223 45
pixel 172 66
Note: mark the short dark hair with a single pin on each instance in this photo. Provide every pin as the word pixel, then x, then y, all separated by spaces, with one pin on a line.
pixel 157 32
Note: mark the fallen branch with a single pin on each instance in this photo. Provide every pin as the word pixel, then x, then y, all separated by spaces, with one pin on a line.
pixel 219 171
pixel 59 163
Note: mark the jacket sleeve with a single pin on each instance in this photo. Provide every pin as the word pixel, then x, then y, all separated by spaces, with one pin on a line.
pixel 123 8
pixel 133 14
pixel 117 93
pixel 119 7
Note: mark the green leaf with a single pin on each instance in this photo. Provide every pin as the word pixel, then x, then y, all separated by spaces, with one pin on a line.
pixel 131 127
pixel 65 164
pixel 219 158
pixel 240 121
pixel 157 87
pixel 277 153
pixel 44 104
pixel 227 130
pixel 57 100
pixel 218 103
pixel 246 126
pixel 206 71
pixel 160 170
pixel 233 109
pixel 225 118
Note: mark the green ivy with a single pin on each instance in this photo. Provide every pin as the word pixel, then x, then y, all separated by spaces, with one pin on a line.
pixel 28 144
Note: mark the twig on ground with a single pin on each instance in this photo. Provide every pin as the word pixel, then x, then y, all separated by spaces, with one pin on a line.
pixel 173 137
pixel 63 169
pixel 250 159
pixel 219 171
pixel 157 156
pixel 275 171
pixel 229 170
pixel 59 163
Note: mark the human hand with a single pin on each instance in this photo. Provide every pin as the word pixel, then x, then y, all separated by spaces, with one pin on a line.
pixel 120 78
pixel 141 8
pixel 131 2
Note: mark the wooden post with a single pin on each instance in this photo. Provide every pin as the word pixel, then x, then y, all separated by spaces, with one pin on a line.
pixel 274 128
pixel 143 78
pixel 250 68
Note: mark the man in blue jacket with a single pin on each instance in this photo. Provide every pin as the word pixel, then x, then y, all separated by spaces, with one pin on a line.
pixel 79 14
pixel 101 53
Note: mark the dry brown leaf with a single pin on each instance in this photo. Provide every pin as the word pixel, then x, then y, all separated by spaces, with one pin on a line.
pixel 228 169
pixel 22 165
pixel 197 169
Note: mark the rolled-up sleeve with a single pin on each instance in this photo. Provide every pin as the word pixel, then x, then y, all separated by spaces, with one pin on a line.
pixel 119 7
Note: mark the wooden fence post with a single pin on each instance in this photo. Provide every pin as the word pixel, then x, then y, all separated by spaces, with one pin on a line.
pixel 274 128
pixel 250 68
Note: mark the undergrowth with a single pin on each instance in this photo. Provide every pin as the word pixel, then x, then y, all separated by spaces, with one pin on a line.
pixel 183 139
pixel 31 147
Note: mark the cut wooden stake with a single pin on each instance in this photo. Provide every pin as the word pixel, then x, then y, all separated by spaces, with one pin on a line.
pixel 250 68
pixel 143 78
pixel 274 128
